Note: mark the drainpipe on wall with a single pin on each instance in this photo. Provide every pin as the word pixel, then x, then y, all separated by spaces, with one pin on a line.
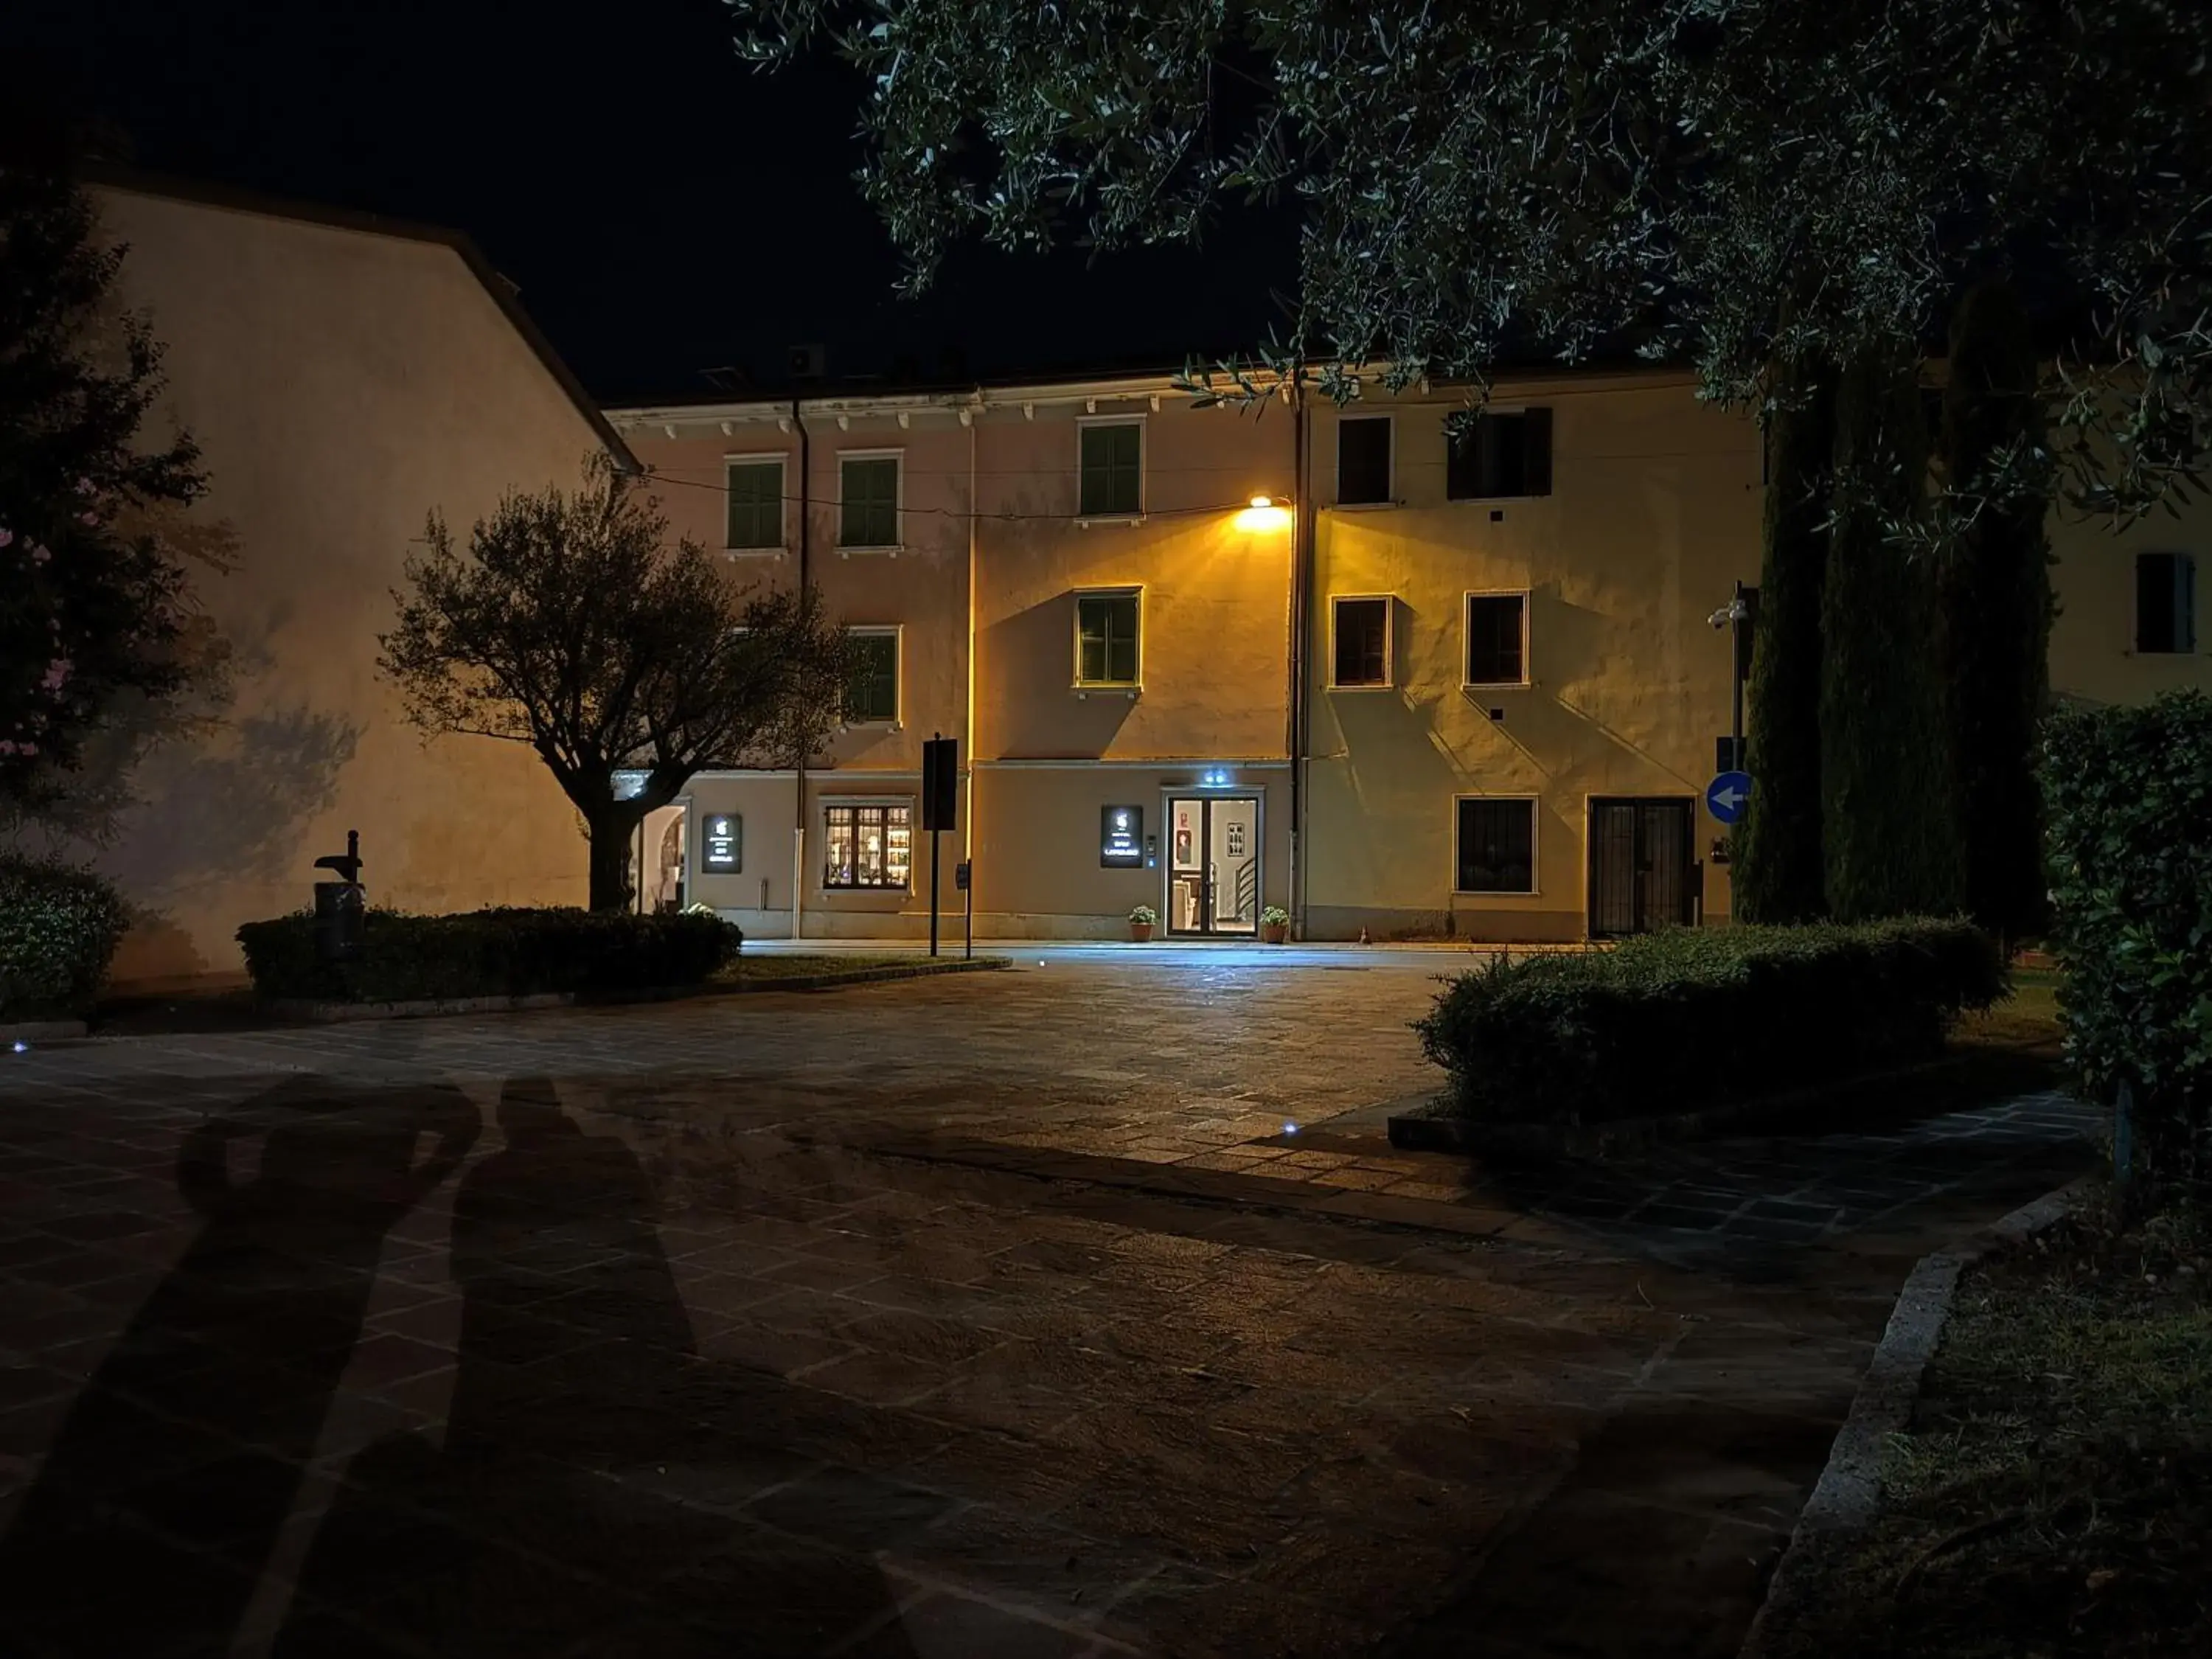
pixel 799 761
pixel 1301 629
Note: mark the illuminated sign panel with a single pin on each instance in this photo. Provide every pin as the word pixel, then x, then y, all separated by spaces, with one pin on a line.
pixel 1122 837
pixel 722 851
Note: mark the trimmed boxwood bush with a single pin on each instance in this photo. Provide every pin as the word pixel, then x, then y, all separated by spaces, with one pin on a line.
pixel 1675 1020
pixel 2127 796
pixel 489 953
pixel 58 931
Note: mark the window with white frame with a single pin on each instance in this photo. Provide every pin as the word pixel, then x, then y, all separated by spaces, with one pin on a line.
pixel 1112 461
pixel 1496 639
pixel 1107 621
pixel 1362 459
pixel 2165 603
pixel 756 503
pixel 1359 647
pixel 1500 453
pixel 868 845
pixel 868 497
pixel 872 694
pixel 1495 844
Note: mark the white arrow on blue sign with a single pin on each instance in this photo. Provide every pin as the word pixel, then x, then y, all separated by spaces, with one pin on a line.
pixel 1726 794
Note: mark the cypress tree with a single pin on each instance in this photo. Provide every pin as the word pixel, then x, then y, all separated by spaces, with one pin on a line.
pixel 1997 604
pixel 1889 836
pixel 1779 876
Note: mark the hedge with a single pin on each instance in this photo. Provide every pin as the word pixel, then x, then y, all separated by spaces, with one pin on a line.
pixel 488 953
pixel 58 931
pixel 2128 800
pixel 1671 1021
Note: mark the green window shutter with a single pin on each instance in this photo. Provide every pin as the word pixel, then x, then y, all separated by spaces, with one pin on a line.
pixel 1113 471
pixel 871 502
pixel 755 492
pixel 874 693
pixel 1106 639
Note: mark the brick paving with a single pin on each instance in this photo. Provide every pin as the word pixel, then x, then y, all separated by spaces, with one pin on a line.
pixel 973 1316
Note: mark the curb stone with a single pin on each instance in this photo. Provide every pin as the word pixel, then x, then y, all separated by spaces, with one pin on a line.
pixel 324 1013
pixel 1848 1497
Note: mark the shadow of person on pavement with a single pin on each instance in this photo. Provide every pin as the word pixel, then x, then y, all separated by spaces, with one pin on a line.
pixel 581 1500
pixel 193 1432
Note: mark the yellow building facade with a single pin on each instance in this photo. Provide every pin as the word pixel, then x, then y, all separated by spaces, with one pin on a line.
pixel 1214 661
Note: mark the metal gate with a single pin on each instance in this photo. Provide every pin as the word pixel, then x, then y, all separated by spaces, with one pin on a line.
pixel 1642 871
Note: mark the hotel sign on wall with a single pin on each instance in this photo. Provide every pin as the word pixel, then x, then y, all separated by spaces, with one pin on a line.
pixel 1122 837
pixel 723 852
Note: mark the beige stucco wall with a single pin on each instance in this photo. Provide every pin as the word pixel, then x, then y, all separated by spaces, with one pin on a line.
pixel 1652 518
pixel 340 385
pixel 2092 652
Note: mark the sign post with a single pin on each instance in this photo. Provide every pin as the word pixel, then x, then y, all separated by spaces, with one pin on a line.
pixel 941 797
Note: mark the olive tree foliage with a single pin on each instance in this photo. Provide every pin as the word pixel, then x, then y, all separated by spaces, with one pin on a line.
pixel 1736 184
pixel 571 624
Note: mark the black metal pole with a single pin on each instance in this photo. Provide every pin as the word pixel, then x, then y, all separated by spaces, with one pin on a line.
pixel 933 892
pixel 968 922
pixel 1735 679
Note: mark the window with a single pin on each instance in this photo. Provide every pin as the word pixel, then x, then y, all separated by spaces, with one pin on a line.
pixel 1497 639
pixel 1113 471
pixel 2165 602
pixel 1362 650
pixel 1362 459
pixel 1496 846
pixel 1106 637
pixel 1501 454
pixel 871 493
pixel 868 846
pixel 756 489
pixel 872 696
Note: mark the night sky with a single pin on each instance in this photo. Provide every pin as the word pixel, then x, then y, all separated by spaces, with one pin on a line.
pixel 665 209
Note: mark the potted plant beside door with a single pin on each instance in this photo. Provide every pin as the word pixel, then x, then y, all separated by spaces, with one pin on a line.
pixel 1274 924
pixel 1142 920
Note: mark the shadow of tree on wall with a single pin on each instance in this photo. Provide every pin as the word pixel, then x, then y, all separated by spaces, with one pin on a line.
pixel 195 1428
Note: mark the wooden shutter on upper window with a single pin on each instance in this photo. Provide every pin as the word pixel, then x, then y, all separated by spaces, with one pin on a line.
pixel 1537 433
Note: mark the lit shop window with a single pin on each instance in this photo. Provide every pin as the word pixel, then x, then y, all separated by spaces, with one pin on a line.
pixel 868 846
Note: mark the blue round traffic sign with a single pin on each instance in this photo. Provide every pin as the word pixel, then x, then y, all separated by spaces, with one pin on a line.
pixel 1726 794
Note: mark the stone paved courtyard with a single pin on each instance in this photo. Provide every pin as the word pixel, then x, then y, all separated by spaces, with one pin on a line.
pixel 982 1315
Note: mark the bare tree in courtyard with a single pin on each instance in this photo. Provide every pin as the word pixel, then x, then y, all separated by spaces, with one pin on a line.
pixel 571 624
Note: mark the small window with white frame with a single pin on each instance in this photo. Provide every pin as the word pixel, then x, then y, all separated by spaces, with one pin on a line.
pixel 1108 636
pixel 1496 639
pixel 1359 642
pixel 1494 844
pixel 869 485
pixel 868 845
pixel 755 521
pixel 1111 460
pixel 872 694
pixel 2166 603
pixel 1363 460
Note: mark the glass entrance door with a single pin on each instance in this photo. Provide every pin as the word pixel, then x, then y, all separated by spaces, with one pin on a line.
pixel 1213 864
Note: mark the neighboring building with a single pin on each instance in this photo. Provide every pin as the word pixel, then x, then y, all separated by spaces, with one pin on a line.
pixel 1497 720
pixel 343 376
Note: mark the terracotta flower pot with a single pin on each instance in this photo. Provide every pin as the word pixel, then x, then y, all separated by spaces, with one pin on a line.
pixel 1141 931
pixel 1275 932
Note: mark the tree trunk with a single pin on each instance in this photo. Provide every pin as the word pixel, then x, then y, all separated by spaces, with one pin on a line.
pixel 1997 607
pixel 1888 830
pixel 1778 875
pixel 613 834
